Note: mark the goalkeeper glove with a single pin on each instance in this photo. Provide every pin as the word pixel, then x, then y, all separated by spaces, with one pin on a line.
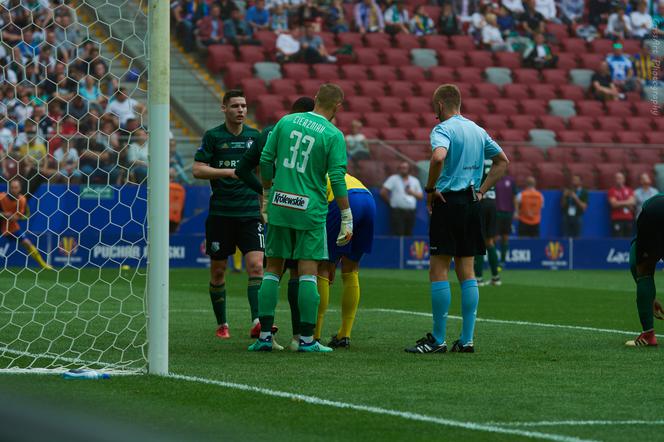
pixel 264 202
pixel 346 231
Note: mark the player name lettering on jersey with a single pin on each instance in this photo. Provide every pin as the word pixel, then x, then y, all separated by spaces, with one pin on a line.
pixel 309 124
pixel 291 201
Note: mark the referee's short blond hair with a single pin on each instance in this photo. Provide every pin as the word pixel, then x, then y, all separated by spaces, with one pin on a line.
pixel 329 95
pixel 450 96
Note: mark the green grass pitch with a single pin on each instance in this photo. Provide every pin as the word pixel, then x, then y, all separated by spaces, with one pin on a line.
pixel 558 382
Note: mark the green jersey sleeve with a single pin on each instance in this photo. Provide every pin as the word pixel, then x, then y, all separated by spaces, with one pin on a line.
pixel 337 162
pixel 269 153
pixel 250 161
pixel 204 153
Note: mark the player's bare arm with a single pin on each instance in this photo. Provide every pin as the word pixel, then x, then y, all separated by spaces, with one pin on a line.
pixel 435 167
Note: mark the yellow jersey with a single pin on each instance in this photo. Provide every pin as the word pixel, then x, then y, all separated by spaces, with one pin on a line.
pixel 351 183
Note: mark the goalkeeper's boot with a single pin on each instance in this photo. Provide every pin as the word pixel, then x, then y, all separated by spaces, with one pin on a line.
pixel 458 347
pixel 313 347
pixel 339 342
pixel 427 344
pixel 496 281
pixel 645 339
pixel 222 332
pixel 262 344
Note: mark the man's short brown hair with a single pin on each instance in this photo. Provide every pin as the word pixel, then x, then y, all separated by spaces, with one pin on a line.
pixel 329 95
pixel 449 94
pixel 233 93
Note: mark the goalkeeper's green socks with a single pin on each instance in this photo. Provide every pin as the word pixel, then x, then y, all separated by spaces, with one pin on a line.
pixel 268 295
pixel 293 289
pixel 308 300
pixel 253 286
pixel 479 266
pixel 645 296
pixel 493 260
pixel 504 246
pixel 218 298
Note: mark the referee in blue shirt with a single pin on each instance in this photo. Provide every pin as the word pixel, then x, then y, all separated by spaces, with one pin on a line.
pixel 454 191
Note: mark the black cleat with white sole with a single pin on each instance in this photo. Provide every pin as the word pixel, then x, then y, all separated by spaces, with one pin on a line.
pixel 458 347
pixel 336 342
pixel 427 345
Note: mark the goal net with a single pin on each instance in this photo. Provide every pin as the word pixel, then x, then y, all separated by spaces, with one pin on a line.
pixel 73 193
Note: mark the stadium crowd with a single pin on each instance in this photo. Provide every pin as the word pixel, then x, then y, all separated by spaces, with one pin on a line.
pixel 63 116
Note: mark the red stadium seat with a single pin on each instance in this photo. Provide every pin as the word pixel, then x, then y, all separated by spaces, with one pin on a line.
pixel 480 59
pixel 521 171
pixel 384 73
pixel 286 86
pixel 329 39
pixel 427 88
pixel 378 40
pixel 576 45
pixel 236 72
pixel 348 86
pixel 610 123
pixel 526 76
pixel 534 107
pixel 429 119
pixel 582 122
pixel 400 88
pixel 218 56
pixel 326 72
pixel 647 155
pixel 371 88
pixel 354 71
pixel 367 56
pixel 394 133
pixel 407 41
pixel 591 61
pixel 389 104
pixel 462 42
pixel 511 60
pixel 634 172
pixel 442 74
pixel 266 107
pixel 658 123
pixel 506 106
pixel 544 91
pixel 308 87
pixel 606 174
pixel 296 71
pixel 397 57
pixel 532 155
pixel 474 105
pixel 433 11
pixel 486 90
pixel 601 46
pixel 567 61
pixel 590 155
pixel 378 119
pixel 619 108
pixel 642 124
pixel 251 54
pixel 524 122
pixel 517 91
pixel 371 173
pixel 552 122
pixel 617 155
pixel 417 104
pixel 558 30
pixel 472 75
pixel 452 58
pixel 601 137
pixel 415 152
pixel 359 104
pixel 467 90
pixel 514 135
pixel 571 136
pixel 590 108
pixel 421 134
pixel 571 92
pixel 411 73
pixel 371 133
pixel 406 120
pixel 350 38
pixel 655 137
pixel 585 171
pixel 631 46
pixel 435 42
pixel 551 176
pixel 254 85
pixel 383 154
pixel 644 109
pixel 344 119
pixel 555 76
pixel 495 122
pixel 560 155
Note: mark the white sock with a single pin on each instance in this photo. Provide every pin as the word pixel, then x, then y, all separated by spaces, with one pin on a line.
pixel 256 321
pixel 265 335
pixel 307 339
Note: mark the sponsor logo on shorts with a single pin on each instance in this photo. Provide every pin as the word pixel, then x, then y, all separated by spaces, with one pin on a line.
pixel 290 200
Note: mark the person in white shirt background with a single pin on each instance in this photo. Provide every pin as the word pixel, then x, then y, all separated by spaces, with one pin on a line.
pixel 641 21
pixel 123 107
pixel 137 156
pixel 288 45
pixel 642 193
pixel 401 191
pixel 491 35
pixel 619 26
pixel 356 142
pixel 547 8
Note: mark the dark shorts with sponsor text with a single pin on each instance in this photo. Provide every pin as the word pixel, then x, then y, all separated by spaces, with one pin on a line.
pixel 649 239
pixel 223 234
pixel 488 218
pixel 456 226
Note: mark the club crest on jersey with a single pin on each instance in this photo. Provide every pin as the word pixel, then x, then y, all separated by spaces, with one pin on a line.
pixel 290 200
pixel 249 143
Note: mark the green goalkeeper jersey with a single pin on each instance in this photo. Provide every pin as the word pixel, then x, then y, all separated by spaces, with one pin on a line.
pixel 301 151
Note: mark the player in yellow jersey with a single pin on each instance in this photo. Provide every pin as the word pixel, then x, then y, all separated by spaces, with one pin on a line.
pixel 364 210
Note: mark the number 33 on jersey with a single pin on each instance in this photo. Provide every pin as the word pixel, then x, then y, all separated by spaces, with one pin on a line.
pixel 303 148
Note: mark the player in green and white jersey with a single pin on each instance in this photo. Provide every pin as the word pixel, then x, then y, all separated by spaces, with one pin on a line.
pixel 489 220
pixel 302 150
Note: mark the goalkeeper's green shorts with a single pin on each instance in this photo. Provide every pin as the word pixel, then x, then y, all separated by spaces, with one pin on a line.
pixel 287 243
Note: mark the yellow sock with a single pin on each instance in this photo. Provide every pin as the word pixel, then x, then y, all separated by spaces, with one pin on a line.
pixel 237 260
pixel 324 293
pixel 349 302
pixel 34 254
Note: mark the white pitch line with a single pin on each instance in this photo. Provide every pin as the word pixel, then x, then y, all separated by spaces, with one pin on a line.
pixel 509 322
pixel 313 400
pixel 573 423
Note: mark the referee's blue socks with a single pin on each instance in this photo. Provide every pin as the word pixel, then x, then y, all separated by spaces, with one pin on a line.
pixel 440 305
pixel 470 297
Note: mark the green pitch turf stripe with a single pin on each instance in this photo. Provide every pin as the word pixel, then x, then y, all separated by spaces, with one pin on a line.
pixel 381 411
pixel 575 423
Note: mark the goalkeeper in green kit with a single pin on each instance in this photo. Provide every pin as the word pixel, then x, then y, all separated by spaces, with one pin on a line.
pixel 302 150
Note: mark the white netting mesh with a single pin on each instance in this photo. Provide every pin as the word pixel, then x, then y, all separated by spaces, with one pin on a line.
pixel 73 142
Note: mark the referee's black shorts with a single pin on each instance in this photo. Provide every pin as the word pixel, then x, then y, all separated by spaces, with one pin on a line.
pixel 455 228
pixel 650 232
pixel 489 220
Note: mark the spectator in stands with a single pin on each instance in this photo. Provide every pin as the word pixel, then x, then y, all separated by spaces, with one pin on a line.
pixel 572 11
pixel 396 18
pixel 574 203
pixel 186 14
pixel 210 29
pixel 176 163
pixel 491 35
pixel 88 89
pixel 658 20
pixel 67 34
pixel 644 66
pixel 641 21
pixel 532 19
pixel 237 31
pixel 448 23
pixel 279 19
pixel 598 11
pixel 619 26
pixel 336 17
pixel 67 159
pixel 421 24
pixel 478 21
pixel 368 17
pixel 529 205
pixel 124 107
pixel 547 8
pixel 622 69
pixel 309 13
pixel 29 142
pixel 227 8
pixel 258 16
pixel 539 55
pixel 312 46
pixel 288 45
pixel 622 203
pixel 356 142
pixel 513 6
pixel 401 191
pixel 176 199
pixel 506 22
pixel 137 156
pixel 602 86
pixel 78 107
pixel 641 194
